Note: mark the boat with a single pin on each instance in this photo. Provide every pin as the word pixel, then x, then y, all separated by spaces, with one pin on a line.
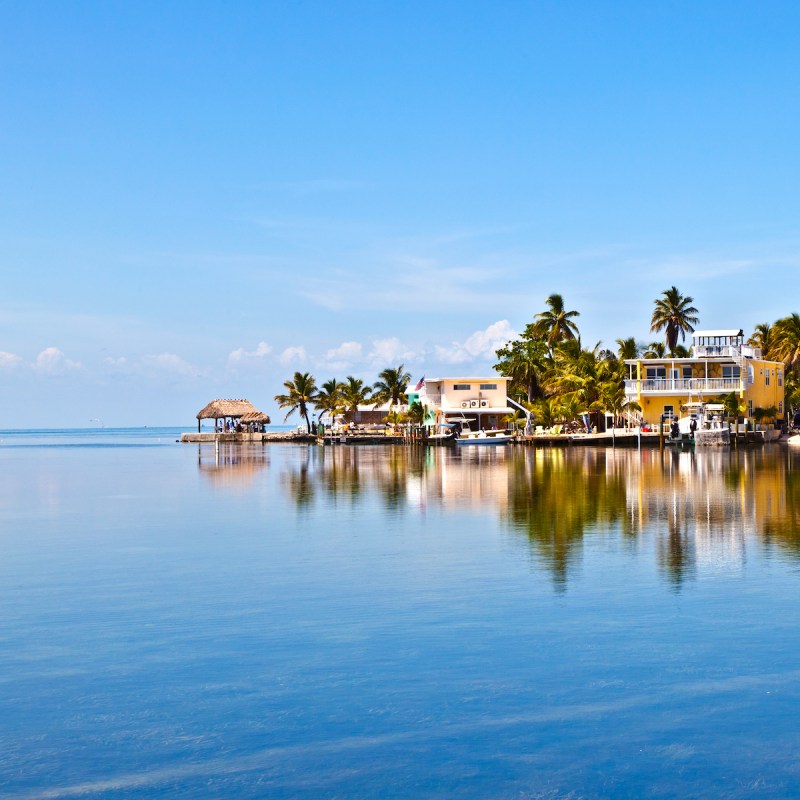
pixel 702 425
pixel 794 440
pixel 443 435
pixel 483 438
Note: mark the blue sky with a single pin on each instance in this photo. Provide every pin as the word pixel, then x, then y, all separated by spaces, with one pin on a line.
pixel 197 199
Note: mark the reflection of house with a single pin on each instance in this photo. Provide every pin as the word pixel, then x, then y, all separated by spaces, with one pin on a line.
pixel 481 401
pixel 720 363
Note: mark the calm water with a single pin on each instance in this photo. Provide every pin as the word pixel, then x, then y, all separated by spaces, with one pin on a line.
pixel 295 622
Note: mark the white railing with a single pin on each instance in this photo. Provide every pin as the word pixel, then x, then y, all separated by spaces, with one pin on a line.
pixel 725 351
pixel 683 385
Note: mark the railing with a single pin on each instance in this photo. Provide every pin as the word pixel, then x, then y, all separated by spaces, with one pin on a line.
pixel 684 385
pixel 725 351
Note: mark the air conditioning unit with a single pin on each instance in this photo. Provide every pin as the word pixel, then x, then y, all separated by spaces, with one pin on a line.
pixel 473 403
pixel 465 404
pixel 484 404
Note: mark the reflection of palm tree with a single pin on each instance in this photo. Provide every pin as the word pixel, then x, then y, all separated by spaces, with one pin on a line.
pixel 391 386
pixel 676 314
pixel 556 324
pixel 544 503
pixel 301 392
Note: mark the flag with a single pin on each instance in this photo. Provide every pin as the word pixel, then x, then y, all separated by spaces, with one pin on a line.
pixel 420 384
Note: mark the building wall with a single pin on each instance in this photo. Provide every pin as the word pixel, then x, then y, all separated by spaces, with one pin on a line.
pixel 760 394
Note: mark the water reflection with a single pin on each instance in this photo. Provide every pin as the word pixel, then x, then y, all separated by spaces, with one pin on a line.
pixel 697 512
pixel 231 467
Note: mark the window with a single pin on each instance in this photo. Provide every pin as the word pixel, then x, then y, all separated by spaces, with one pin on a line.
pixel 730 371
pixel 687 373
pixel 669 411
pixel 766 377
pixel 488 387
pixel 780 377
pixel 656 372
pixel 780 406
pixel 462 387
pixel 749 408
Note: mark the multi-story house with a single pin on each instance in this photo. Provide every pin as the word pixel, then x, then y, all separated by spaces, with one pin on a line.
pixel 720 363
pixel 481 401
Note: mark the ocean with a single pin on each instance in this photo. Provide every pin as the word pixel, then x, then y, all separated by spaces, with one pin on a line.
pixel 292 621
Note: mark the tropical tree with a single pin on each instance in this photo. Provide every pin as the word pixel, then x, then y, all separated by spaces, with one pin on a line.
pixel 416 412
pixel 615 401
pixel 556 324
pixel 391 386
pixel 675 314
pixel 627 348
pixel 786 341
pixel 525 361
pixel 354 394
pixel 655 350
pixel 762 338
pixel 301 392
pixel 329 398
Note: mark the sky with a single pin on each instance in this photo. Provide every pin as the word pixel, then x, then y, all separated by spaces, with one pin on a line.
pixel 198 199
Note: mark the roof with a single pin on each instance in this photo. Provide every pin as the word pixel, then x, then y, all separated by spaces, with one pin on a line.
pixel 733 333
pixel 227 408
pixel 480 379
pixel 255 416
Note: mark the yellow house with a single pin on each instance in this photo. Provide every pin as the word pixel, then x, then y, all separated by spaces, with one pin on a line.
pixel 720 363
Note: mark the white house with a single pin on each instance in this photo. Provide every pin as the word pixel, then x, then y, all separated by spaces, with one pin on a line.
pixel 483 401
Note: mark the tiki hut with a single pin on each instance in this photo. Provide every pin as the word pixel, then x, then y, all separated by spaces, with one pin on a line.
pixel 230 410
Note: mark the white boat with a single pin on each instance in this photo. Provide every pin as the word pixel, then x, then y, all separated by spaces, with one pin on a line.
pixel 483 438
pixel 702 425
pixel 794 440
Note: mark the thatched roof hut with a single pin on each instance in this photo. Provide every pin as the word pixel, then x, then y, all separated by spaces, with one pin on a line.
pixel 232 409
pixel 258 417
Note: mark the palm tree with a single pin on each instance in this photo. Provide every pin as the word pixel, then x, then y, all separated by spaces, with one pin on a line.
pixel 301 392
pixel 628 348
pixel 676 314
pixel 554 325
pixel 329 398
pixel 353 395
pixel 786 341
pixel 762 338
pixel 391 386
pixel 655 350
pixel 525 362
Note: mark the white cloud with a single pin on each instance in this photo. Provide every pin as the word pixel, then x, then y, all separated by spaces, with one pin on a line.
pixel 51 361
pixel 239 355
pixel 346 354
pixel 479 346
pixel 170 363
pixel 293 354
pixel 115 362
pixel 9 359
pixel 389 351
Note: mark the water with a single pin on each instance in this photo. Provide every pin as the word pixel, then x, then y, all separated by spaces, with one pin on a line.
pixel 299 622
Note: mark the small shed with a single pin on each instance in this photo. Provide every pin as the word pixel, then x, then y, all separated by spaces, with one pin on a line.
pixel 233 410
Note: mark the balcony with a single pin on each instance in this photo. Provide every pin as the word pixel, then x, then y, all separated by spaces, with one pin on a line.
pixel 735 351
pixel 683 386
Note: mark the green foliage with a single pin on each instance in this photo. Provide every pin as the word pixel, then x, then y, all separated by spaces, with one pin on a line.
pixel 301 391
pixel 674 314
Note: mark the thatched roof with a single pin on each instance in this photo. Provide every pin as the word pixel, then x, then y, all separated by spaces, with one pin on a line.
pixel 227 408
pixel 258 417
